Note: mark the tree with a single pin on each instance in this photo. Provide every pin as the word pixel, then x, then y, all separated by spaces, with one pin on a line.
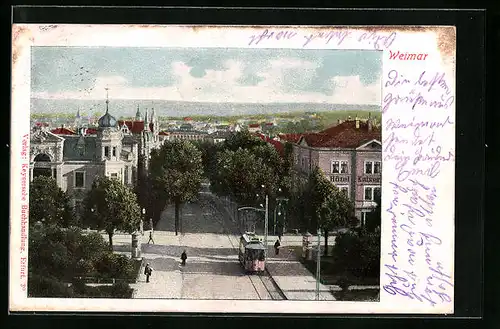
pixel 335 212
pixel 241 175
pixel 329 208
pixel 242 139
pixel 111 206
pixel 48 203
pixel 176 171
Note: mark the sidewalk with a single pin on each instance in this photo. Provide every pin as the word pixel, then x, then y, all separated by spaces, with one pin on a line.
pixel 292 277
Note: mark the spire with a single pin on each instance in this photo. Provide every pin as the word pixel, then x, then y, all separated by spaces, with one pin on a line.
pixel 78 114
pixel 146 123
pixel 138 116
pixel 107 99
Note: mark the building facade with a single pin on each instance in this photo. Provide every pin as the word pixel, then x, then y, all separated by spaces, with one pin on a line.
pixel 75 159
pixel 350 155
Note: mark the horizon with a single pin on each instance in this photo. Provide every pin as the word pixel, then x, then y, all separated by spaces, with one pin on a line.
pixel 235 75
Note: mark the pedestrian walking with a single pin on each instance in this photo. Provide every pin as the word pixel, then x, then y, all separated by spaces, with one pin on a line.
pixel 151 237
pixel 183 258
pixel 277 245
pixel 148 270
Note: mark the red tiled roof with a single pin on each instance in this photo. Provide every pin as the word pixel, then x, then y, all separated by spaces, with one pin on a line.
pixel 344 135
pixel 277 145
pixel 188 119
pixel 62 131
pixel 293 138
pixel 254 125
pixel 163 133
pixel 269 124
pixel 135 127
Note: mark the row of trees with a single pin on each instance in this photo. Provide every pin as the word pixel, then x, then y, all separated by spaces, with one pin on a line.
pixel 245 167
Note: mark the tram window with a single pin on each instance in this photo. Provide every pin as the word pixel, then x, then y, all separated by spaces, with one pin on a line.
pixel 261 255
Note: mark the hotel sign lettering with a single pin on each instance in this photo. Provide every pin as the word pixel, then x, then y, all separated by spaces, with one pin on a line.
pixel 340 179
pixel 369 179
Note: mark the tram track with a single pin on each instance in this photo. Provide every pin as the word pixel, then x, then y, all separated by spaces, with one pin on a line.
pixel 257 280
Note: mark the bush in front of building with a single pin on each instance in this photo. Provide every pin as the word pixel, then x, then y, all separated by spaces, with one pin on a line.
pixel 357 254
pixel 57 256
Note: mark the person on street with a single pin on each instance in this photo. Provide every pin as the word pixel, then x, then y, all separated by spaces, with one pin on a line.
pixel 183 258
pixel 151 237
pixel 277 245
pixel 148 270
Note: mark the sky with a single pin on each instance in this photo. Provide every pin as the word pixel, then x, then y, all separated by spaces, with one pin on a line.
pixel 207 74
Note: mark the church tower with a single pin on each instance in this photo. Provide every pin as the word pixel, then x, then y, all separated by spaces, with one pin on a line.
pixel 154 121
pixel 138 116
pixel 78 121
pixel 109 137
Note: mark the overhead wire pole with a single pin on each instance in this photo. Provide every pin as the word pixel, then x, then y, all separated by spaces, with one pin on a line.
pixel 266 226
pixel 318 264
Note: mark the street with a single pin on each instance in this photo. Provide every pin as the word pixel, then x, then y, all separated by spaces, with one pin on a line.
pixel 212 270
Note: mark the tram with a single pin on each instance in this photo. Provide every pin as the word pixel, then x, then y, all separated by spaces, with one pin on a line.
pixel 251 253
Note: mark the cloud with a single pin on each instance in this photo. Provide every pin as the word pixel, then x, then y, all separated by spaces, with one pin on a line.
pixel 276 80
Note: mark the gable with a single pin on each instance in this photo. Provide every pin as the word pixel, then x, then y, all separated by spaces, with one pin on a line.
pixel 373 145
pixel 302 141
pixel 43 136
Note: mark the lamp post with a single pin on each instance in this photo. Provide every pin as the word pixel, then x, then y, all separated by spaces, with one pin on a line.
pixel 266 225
pixel 318 264
pixel 280 199
pixel 143 217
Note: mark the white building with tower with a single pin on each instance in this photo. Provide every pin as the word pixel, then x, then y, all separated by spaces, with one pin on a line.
pixel 75 159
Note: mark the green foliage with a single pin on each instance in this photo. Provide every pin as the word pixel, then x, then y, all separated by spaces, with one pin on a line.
pixel 43 286
pixel 48 203
pixel 176 172
pixel 243 164
pixel 358 253
pixel 325 206
pixel 57 256
pixel 110 206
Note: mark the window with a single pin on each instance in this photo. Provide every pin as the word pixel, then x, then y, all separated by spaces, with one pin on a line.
pixel 368 167
pixel 339 167
pixel 371 192
pixel 54 173
pixel 344 189
pixel 114 175
pixel 114 151
pixel 126 175
pixel 343 167
pixel 79 179
pixel 373 167
pixel 106 151
pixel 335 167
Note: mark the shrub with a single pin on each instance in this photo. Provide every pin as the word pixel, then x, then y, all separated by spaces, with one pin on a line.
pixel 358 253
pixel 39 286
pixel 121 290
pixel 115 266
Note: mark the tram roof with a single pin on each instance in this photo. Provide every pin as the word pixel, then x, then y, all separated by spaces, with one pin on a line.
pixel 255 246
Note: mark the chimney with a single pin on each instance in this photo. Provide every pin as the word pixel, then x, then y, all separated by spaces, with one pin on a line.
pixel 370 123
pixel 357 122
